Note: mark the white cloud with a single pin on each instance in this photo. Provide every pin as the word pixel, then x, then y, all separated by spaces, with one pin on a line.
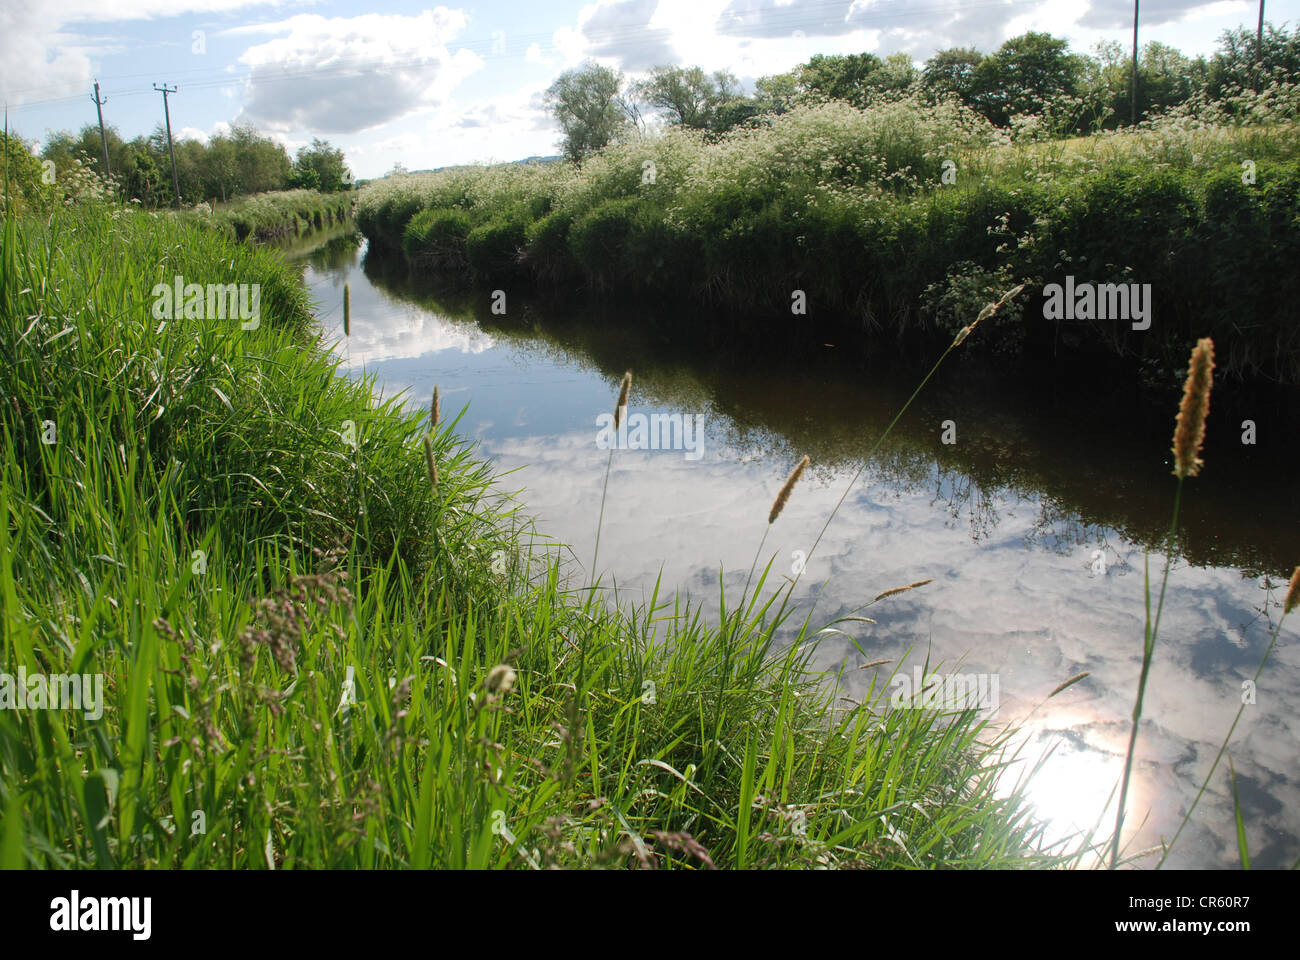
pixel 1114 14
pixel 534 55
pixel 40 59
pixel 754 37
pixel 343 75
pixel 618 32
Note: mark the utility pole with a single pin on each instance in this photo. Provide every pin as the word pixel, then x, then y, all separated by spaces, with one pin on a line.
pixel 103 140
pixel 170 149
pixel 1259 48
pixel 1134 91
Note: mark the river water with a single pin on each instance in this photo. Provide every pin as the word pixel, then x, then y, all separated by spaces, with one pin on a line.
pixel 1033 520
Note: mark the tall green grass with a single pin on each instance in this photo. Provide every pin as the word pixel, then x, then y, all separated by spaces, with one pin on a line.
pixel 313 658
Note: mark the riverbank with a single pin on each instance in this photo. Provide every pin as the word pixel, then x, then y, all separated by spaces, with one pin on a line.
pixel 276 214
pixel 898 222
pixel 321 646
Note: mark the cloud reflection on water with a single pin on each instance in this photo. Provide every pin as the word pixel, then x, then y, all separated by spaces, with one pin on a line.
pixel 1014 590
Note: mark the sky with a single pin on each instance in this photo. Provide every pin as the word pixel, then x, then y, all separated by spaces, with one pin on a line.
pixel 433 86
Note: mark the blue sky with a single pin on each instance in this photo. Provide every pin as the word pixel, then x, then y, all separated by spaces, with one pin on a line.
pixel 435 85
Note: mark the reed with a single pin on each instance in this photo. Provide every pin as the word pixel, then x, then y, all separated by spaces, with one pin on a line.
pixel 430 463
pixel 1189 431
pixel 779 503
pixel 986 312
pixel 1189 436
pixel 620 410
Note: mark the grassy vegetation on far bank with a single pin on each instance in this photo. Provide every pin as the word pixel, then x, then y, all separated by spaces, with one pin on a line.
pixel 901 219
pixel 268 216
pixel 314 656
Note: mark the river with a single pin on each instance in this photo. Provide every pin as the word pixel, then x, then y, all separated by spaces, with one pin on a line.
pixel 1031 506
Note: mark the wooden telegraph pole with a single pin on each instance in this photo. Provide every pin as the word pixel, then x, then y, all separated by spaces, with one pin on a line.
pixel 176 184
pixel 1134 89
pixel 103 140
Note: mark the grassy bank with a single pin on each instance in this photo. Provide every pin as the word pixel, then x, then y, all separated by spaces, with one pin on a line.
pixel 276 214
pixel 321 646
pixel 901 220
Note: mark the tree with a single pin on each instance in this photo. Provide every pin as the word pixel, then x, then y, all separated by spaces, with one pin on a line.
pixel 1239 64
pixel 220 167
pixel 321 167
pixel 191 165
pixel 61 147
pixel 260 163
pixel 589 104
pixel 735 113
pixel 691 98
pixel 141 177
pixel 1026 76
pixel 951 72
pixel 1166 78
pixel 305 178
pixel 841 77
pixel 897 76
pixel 27 186
pixel 777 93
pixel 857 78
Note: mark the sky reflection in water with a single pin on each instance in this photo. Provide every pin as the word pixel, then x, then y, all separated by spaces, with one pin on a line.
pixel 1017 590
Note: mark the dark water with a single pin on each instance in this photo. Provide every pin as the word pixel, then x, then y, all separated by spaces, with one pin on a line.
pixel 1033 525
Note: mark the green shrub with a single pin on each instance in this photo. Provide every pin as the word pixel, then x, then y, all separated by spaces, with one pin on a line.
pixel 548 253
pixel 437 238
pixel 495 248
pixel 598 240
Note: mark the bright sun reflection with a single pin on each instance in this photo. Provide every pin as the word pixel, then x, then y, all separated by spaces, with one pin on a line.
pixel 1074 789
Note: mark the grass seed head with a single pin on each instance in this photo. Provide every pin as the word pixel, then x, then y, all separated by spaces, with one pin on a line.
pixel 988 311
pixel 624 389
pixel 500 679
pixel 429 462
pixel 779 504
pixel 1293 594
pixel 1189 434
pixel 897 590
pixel 436 407
pixel 347 311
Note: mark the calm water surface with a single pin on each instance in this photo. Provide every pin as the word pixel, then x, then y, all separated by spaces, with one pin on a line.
pixel 1033 525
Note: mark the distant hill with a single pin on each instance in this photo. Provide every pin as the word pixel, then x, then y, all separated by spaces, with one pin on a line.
pixel 456 166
